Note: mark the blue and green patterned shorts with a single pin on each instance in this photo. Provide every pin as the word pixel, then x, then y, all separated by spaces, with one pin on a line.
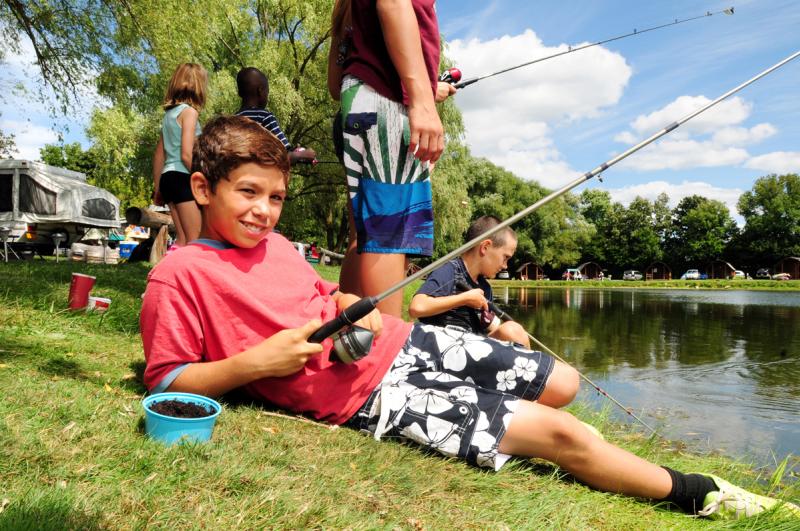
pixel 454 392
pixel 390 190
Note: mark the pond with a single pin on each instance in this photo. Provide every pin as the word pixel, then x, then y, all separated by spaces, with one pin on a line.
pixel 719 370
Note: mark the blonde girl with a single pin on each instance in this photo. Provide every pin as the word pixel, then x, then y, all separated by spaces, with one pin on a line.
pixel 172 160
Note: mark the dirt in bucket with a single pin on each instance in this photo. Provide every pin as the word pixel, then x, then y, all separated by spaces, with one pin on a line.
pixel 183 410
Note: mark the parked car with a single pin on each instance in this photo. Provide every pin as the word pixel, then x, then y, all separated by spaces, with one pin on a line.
pixel 738 273
pixel 691 274
pixel 503 275
pixel 632 274
pixel 781 276
pixel 763 273
pixel 572 274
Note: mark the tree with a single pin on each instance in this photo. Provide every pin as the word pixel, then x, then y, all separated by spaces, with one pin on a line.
pixel 771 211
pixel 7 145
pixel 69 40
pixel 701 230
pixel 643 244
pixel 552 235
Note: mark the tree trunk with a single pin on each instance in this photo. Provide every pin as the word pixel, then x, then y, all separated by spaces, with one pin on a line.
pixel 145 217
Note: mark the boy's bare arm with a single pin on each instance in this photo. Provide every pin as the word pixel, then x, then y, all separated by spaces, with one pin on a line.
pixel 402 37
pixel 282 354
pixel 423 305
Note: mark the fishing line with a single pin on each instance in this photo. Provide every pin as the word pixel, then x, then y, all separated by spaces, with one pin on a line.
pixel 366 304
pixel 461 84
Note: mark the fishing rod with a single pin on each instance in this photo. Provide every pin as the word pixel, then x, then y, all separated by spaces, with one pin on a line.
pixel 463 286
pixel 453 75
pixel 354 343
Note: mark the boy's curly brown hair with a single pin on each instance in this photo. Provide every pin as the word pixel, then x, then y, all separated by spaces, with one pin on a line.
pixel 228 142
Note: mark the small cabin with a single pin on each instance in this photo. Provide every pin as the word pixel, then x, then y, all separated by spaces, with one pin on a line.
pixel 791 265
pixel 530 271
pixel 658 271
pixel 721 269
pixel 591 271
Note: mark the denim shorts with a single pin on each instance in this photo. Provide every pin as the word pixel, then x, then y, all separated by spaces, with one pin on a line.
pixel 454 392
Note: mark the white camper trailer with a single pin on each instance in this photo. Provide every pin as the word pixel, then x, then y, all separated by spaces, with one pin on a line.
pixel 38 201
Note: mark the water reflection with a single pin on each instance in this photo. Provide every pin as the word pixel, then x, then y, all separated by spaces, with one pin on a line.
pixel 722 367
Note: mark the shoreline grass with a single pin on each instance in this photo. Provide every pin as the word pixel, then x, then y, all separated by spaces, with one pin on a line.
pixel 715 284
pixel 73 456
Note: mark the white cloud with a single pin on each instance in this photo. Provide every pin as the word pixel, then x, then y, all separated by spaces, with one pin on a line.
pixel 682 154
pixel 29 137
pixel 506 117
pixel 739 136
pixel 714 138
pixel 676 192
pixel 725 114
pixel 779 162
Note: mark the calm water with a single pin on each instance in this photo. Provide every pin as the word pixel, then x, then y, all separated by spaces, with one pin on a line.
pixel 717 369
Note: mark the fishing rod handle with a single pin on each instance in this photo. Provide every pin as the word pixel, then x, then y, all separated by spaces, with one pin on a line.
pixel 466 82
pixel 348 316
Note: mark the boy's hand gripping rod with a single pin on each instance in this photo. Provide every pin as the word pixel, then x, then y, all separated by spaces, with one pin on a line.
pixel 357 344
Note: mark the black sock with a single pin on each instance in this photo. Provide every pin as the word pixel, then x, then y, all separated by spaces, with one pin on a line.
pixel 689 490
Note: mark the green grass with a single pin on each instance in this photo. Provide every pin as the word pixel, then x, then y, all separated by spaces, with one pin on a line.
pixel 73 455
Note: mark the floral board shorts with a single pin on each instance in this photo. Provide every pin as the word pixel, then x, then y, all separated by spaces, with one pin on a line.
pixel 390 190
pixel 454 392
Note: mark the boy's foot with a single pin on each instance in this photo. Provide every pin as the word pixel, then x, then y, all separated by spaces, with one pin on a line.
pixel 592 429
pixel 731 503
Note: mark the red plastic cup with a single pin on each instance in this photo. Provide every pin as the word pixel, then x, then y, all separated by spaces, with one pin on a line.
pixel 79 290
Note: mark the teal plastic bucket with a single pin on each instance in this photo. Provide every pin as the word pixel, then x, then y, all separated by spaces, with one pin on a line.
pixel 171 430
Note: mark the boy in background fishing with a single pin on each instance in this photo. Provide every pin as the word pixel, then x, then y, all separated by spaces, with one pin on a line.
pixel 236 309
pixel 458 293
pixel 253 88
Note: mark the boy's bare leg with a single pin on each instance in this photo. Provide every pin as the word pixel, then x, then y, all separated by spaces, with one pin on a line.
pixel 541 431
pixel 349 276
pixel 511 331
pixel 180 237
pixel 190 220
pixel 379 272
pixel 561 387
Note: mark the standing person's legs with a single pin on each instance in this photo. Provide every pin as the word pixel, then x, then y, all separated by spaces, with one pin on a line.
pixel 177 193
pixel 379 272
pixel 349 276
pixel 190 220
pixel 180 236
pixel 390 193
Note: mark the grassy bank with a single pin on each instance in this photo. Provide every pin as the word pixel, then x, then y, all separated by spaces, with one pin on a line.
pixel 73 456
pixel 766 285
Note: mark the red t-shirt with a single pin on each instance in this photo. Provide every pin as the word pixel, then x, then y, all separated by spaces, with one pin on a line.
pixel 369 60
pixel 208 304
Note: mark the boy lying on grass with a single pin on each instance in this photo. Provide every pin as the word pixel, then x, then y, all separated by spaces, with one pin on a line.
pixel 236 307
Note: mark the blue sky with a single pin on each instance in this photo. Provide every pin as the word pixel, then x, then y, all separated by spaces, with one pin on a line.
pixel 551 121
pixel 556 119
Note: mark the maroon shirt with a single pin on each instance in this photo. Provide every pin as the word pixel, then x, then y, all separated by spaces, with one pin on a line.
pixel 368 59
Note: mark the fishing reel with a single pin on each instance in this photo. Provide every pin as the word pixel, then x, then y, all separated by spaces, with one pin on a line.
pixel 451 75
pixel 351 344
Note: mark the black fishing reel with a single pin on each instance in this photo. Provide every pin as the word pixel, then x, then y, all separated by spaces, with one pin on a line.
pixel 351 344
